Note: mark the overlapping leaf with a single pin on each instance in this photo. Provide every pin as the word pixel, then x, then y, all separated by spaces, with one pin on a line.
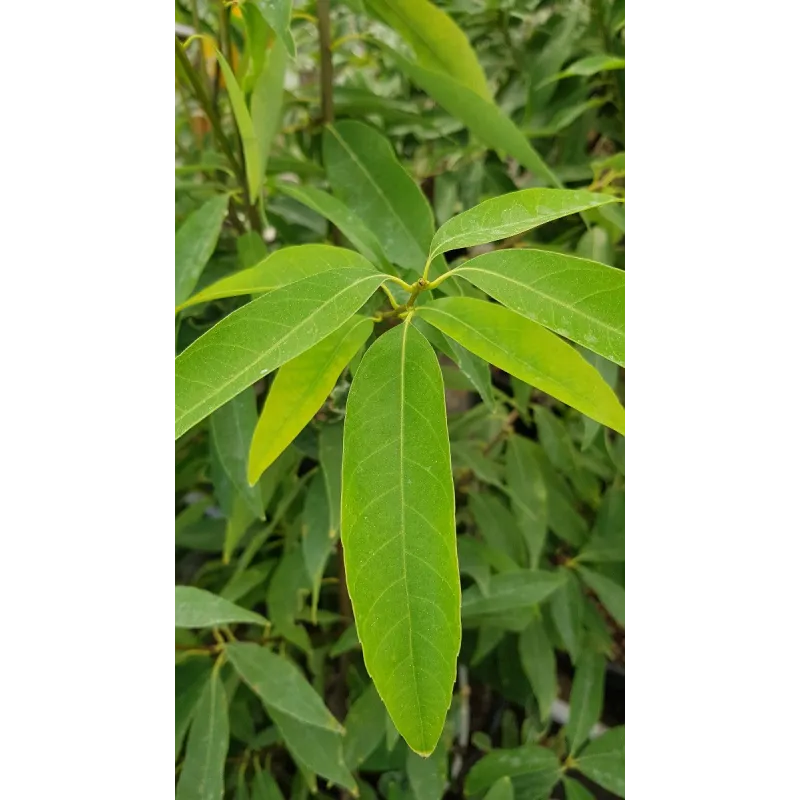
pixel 197 608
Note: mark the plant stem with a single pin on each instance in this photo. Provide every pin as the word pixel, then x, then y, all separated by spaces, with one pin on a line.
pixel 325 59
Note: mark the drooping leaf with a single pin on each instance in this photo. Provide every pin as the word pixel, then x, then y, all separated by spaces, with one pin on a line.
pixel 317 541
pixel 533 770
pixel 603 760
pixel 579 299
pixel 428 776
pixel 232 426
pixel 253 164
pixel 538 661
pixel 284 266
pixel 567 606
pixel 510 214
pixel 585 698
pixel 364 727
pixel 331 452
pixel 398 532
pixel 191 679
pixel 346 220
pixel 366 176
pixel 195 242
pixel 509 591
pixel 611 594
pixel 528 495
pixel 278 14
pixel 197 608
pixel 299 390
pixel 203 773
pixel 263 335
pixel 266 102
pixel 480 115
pixel 437 41
pixel 529 351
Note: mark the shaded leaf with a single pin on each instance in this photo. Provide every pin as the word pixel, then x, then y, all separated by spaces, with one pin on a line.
pixel 510 591
pixel 195 242
pixel 567 606
pixel 331 446
pixel 538 661
pixel 503 789
pixel 197 608
pixel 528 491
pixel 575 790
pixel 266 102
pixel 364 726
pixel 317 541
pixel 611 595
pixel 428 776
pixel 603 760
pixel 191 679
pixel 398 532
pixel 533 771
pixel 585 698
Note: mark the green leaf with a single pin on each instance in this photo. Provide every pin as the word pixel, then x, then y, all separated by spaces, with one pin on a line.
pixel 253 165
pixel 510 591
pixel 203 773
pixel 603 760
pixel 346 642
pixel 250 249
pixel 364 726
pixel 538 661
pixel 567 607
pixel 497 526
pixel 510 214
pixel 264 785
pixel 366 176
pixel 428 776
pixel 266 102
pixel 276 328
pixel 438 43
pixel 317 539
pixel 197 608
pixel 347 221
pixel 585 698
pixel 300 388
pixel 579 299
pixel 610 374
pixel 555 440
pixel 596 245
pixel 195 242
pixel 502 789
pixel 278 14
pixel 191 679
pixel 331 447
pixel 285 266
pixel 285 595
pixel 590 65
pixel 523 348
pixel 533 770
pixel 232 426
pixel 528 491
pixel 480 115
pixel 575 790
pixel 611 595
pixel 398 532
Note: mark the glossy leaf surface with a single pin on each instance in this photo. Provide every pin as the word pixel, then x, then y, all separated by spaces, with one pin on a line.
pixel 579 299
pixel 510 214
pixel 300 388
pixel 532 353
pixel 398 532
pixel 264 335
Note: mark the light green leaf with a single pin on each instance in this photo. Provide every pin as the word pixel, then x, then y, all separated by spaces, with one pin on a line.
pixel 317 541
pixel 502 789
pixel 195 242
pixel 232 426
pixel 567 607
pixel 300 388
pixel 364 726
pixel 538 661
pixel 366 176
pixel 611 594
pixel 278 14
pixel 285 266
pixel 480 115
pixel 437 41
pixel 603 760
pixel 253 165
pixel 197 608
pixel 203 773
pixel 191 679
pixel 579 299
pixel 575 790
pixel 346 220
pixel 533 770
pixel 510 214
pixel 276 328
pixel 590 65
pixel 510 591
pixel 428 776
pixel 525 349
pixel 331 446
pixel 586 698
pixel 266 102
pixel 398 532
pixel 528 491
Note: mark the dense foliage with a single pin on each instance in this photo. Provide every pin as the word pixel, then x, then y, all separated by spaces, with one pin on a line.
pixel 399 381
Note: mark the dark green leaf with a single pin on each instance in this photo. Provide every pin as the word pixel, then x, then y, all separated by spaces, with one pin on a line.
pixel 586 698
pixel 195 242
pixel 603 760
pixel 510 591
pixel 611 595
pixel 567 606
pixel 533 771
pixel 539 663
pixel 528 495
pixel 364 726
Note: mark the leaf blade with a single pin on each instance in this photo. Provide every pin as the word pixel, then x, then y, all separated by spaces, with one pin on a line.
pixel 197 608
pixel 195 242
